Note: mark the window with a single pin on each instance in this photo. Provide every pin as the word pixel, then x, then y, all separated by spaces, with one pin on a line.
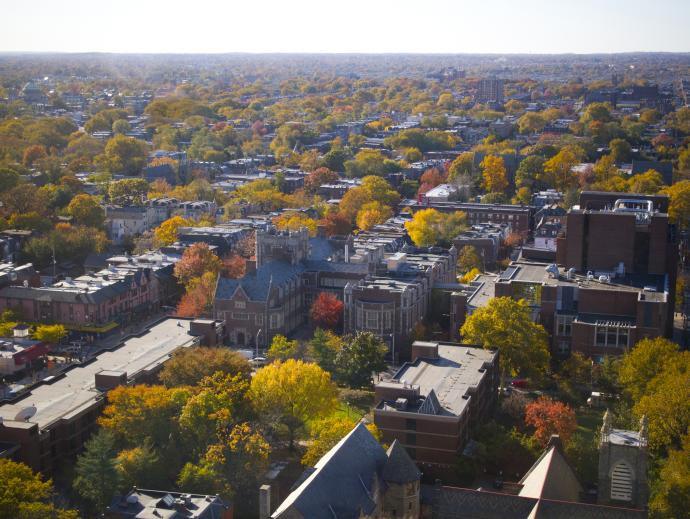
pixel 564 324
pixel 275 321
pixel 240 304
pixel 259 319
pixel 612 336
pixel 563 347
pixel 372 320
pixel 621 482
pixel 240 316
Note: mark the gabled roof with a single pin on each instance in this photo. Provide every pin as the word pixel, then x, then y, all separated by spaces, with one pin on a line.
pixel 343 482
pixel 256 284
pixel 399 468
pixel 551 476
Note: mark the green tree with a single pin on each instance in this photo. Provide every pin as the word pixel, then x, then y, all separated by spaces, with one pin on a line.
pixel 96 471
pixel 324 348
pixel 530 173
pixel 360 356
pixel 461 166
pixel 506 324
pixel 620 150
pixel 128 190
pixel 189 366
pixel 291 393
pixel 26 495
pixel 141 466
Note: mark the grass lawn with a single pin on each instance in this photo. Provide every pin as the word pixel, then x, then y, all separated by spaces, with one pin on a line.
pixel 589 422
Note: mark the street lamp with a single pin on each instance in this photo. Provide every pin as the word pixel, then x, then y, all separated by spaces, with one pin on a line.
pixel 257 342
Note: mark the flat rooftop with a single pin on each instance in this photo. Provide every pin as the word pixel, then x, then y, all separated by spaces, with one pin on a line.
pixel 75 390
pixel 451 377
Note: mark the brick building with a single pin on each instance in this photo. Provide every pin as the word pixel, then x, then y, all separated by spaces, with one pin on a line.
pixel 48 424
pixel 433 402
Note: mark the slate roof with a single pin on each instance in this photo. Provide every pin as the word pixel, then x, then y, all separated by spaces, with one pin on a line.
pixel 256 284
pixel 399 468
pixel 551 476
pixel 332 266
pixel 343 482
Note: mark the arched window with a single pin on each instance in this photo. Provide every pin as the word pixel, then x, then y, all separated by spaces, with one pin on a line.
pixel 622 482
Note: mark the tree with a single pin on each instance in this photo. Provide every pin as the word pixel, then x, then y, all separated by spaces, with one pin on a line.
pixel 167 232
pixel 371 214
pixel 530 173
pixel 198 297
pixel 324 347
pixel 140 466
pixel 282 349
pixel 531 122
pixel 234 266
pixel 430 227
pixel 461 166
pixel 671 497
pixel 26 495
pixel 295 220
pixel 137 413
pixel 506 324
pixel 679 207
pixel 494 174
pixel 96 470
pixel 121 127
pixel 325 433
pixel 291 393
pixel 649 182
pixel 640 366
pixel 469 259
pixel 620 150
pixel 125 155
pixel 337 224
pixel 189 366
pixel 86 210
pixel 360 356
pixel 33 153
pixel 317 178
pixel 128 190
pixel 549 417
pixel 50 333
pixel 560 169
pixel 197 260
pixel 326 311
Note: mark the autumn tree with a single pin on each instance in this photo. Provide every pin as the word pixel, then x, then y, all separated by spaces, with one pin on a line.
pixel 671 495
pixel 469 259
pixel 640 366
pixel 559 168
pixel 50 333
pixel 294 221
pixel 314 180
pixel 197 260
pixel 124 155
pixel 198 297
pixel 234 266
pixel 371 214
pixel 141 466
pixel 679 206
pixel 326 311
pixel 506 324
pixel 550 417
pixel 430 227
pixel 96 470
pixel 167 232
pixel 189 366
pixel 461 166
pixel 495 176
pixel 26 494
pixel 86 210
pixel 33 153
pixel 291 393
pixel 336 224
pixel 325 433
pixel 360 356
pixel 137 413
pixel 282 348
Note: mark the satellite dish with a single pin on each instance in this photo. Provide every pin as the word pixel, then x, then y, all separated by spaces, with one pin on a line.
pixel 132 499
pixel 26 413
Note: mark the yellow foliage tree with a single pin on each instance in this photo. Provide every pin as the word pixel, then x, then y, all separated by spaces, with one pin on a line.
pixel 294 220
pixel 166 233
pixel 372 213
pixel 494 174
pixel 430 227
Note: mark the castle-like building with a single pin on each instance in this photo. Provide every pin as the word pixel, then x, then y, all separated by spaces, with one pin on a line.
pixel 384 281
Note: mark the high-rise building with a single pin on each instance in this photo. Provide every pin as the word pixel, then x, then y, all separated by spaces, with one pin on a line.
pixel 490 91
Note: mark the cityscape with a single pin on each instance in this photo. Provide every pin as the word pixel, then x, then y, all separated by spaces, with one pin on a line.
pixel 275 276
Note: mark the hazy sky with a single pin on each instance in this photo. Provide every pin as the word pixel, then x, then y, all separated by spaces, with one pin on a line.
pixel 439 26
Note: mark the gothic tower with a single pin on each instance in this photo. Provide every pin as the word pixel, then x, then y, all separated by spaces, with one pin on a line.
pixel 623 465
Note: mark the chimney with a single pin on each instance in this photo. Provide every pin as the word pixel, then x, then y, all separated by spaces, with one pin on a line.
pixel 265 502
pixel 249 266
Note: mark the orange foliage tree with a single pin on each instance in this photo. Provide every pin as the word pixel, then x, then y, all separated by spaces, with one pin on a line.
pixel 198 299
pixel 234 266
pixel 336 224
pixel 327 310
pixel 196 261
pixel 549 417
pixel 314 180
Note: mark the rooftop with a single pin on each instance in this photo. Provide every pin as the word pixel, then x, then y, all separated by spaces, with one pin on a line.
pixel 449 379
pixel 75 390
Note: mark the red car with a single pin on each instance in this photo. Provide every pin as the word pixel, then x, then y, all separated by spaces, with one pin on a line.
pixel 521 383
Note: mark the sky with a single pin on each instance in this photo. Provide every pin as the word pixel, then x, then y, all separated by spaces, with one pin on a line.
pixel 356 26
